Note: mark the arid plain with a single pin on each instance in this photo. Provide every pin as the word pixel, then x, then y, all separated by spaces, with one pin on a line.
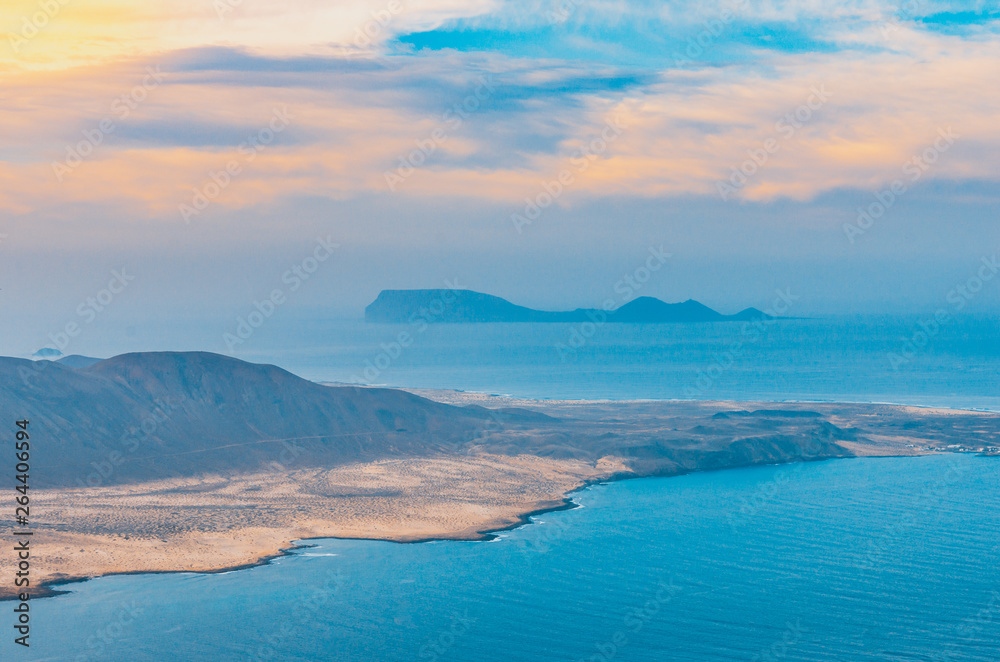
pixel 219 520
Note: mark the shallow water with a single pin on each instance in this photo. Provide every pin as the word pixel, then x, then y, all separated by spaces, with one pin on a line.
pixel 846 560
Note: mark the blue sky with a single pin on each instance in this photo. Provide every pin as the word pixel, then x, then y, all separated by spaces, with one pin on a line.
pixel 747 136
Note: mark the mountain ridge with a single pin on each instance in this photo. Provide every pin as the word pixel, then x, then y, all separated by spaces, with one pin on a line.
pixel 118 420
pixel 149 416
pixel 197 461
pixel 155 415
pixel 471 307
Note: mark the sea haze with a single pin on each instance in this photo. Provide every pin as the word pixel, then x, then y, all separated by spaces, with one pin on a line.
pixel 845 560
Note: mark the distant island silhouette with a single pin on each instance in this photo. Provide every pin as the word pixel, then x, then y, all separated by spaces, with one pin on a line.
pixel 468 307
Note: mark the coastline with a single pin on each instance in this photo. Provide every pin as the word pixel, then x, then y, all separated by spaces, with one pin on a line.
pixel 221 523
pixel 457 396
pixel 486 531
pixel 458 507
pixel 291 547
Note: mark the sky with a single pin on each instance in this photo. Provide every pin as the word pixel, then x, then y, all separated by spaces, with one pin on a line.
pixel 198 156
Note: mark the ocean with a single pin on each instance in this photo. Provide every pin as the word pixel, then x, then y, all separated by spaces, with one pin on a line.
pixel 848 359
pixel 843 560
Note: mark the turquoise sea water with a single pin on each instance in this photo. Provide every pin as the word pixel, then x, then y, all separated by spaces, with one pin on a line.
pixel 857 359
pixel 846 560
pixel 889 559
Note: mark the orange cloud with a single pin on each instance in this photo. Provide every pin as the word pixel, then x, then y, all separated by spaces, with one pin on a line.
pixel 60 34
pixel 682 135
